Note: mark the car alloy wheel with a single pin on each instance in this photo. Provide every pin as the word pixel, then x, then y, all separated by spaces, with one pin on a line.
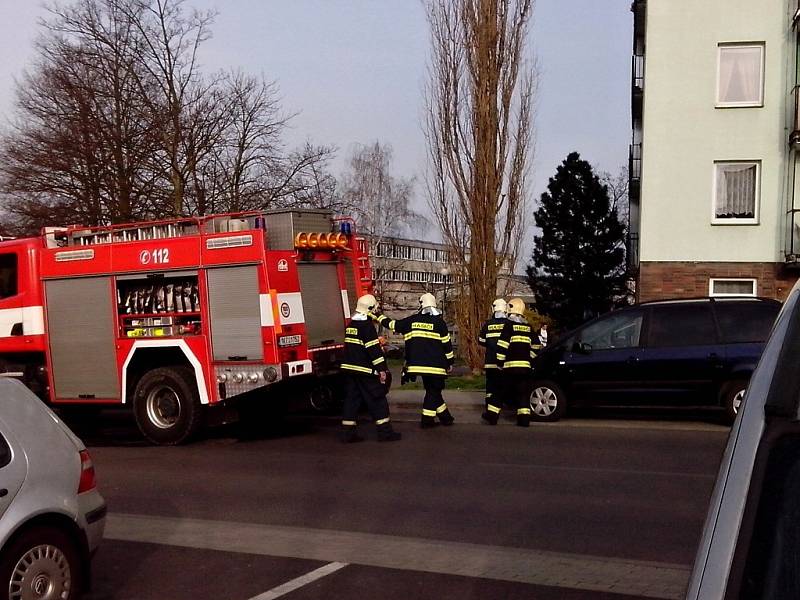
pixel 737 400
pixel 43 573
pixel 544 401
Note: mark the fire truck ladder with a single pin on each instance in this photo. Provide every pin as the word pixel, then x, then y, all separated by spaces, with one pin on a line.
pixel 362 260
pixel 152 231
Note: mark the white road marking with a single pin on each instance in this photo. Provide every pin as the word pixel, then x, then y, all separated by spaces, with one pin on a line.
pixel 299 582
pixel 501 563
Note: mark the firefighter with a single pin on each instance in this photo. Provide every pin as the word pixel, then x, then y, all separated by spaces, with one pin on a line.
pixel 514 355
pixel 366 375
pixel 489 335
pixel 429 354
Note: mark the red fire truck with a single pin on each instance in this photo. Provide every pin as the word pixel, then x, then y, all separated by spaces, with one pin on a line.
pixel 179 319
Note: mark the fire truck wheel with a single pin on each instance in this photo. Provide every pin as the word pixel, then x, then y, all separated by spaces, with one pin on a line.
pixel 167 405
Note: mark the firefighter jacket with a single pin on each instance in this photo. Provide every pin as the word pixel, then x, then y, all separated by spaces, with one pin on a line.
pixel 362 349
pixel 488 337
pixel 429 350
pixel 515 347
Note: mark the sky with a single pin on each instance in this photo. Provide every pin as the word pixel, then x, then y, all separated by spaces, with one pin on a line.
pixel 354 70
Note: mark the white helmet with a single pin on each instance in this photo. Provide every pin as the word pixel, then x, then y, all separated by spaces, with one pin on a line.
pixel 499 305
pixel 366 304
pixel 516 306
pixel 427 301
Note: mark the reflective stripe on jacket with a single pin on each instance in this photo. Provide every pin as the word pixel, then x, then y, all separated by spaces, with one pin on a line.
pixel 362 349
pixel 429 350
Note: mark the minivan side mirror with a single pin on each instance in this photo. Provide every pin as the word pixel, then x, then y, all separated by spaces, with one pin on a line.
pixel 582 348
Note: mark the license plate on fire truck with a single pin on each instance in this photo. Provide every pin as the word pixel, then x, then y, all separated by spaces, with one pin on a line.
pixel 289 340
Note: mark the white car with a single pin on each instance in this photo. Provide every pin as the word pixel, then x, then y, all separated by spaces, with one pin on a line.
pixel 51 514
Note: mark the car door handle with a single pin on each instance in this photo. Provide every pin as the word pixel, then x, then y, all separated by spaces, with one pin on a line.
pixel 3 493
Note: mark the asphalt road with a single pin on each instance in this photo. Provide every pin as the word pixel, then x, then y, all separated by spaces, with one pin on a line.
pixel 579 509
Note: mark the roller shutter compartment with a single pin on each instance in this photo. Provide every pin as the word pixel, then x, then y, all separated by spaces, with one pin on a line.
pixel 322 303
pixel 80 320
pixel 235 313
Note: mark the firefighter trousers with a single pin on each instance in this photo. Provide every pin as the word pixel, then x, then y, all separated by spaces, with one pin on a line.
pixel 494 391
pixel 433 405
pixel 517 393
pixel 365 389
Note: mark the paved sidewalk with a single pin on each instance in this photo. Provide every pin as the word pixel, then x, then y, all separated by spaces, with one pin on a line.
pixel 467 406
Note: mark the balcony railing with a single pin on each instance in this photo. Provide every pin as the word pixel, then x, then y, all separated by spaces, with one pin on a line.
pixel 794 135
pixel 637 72
pixel 635 164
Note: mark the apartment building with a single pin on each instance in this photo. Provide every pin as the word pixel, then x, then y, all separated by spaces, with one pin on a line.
pixel 713 158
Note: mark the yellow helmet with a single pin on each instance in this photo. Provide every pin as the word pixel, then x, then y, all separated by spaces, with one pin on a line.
pixel 427 301
pixel 516 306
pixel 499 305
pixel 366 304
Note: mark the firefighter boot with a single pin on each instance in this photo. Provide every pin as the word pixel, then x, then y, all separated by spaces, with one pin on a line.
pixel 445 417
pixel 490 415
pixel 428 422
pixel 524 417
pixel 387 434
pixel 349 435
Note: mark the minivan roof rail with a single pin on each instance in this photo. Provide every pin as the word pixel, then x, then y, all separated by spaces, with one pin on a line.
pixel 708 299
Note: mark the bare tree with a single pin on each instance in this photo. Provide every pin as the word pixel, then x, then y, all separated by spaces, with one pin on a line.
pixel 116 122
pixel 171 39
pixel 479 111
pixel 81 141
pixel 379 202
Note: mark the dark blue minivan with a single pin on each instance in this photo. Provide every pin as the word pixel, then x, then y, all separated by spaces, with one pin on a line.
pixel 664 353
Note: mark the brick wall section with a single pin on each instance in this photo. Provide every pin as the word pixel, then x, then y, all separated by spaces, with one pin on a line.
pixel 659 280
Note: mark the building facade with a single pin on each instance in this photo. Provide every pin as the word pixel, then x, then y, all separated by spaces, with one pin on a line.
pixel 404 269
pixel 713 158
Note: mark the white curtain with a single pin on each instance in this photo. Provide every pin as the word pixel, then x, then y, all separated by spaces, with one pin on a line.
pixel 740 74
pixel 736 191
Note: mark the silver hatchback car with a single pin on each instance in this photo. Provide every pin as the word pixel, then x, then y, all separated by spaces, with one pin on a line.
pixel 51 514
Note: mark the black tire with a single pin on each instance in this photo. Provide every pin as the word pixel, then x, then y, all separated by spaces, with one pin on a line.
pixel 52 558
pixel 732 396
pixel 543 394
pixel 167 406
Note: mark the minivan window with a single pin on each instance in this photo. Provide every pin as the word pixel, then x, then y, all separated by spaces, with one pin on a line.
pixel 8 275
pixel 5 452
pixel 681 325
pixel 621 330
pixel 741 322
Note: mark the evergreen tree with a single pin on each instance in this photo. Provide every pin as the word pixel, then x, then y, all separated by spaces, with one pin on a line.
pixel 578 268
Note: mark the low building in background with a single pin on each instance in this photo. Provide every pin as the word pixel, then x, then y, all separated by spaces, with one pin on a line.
pixel 404 269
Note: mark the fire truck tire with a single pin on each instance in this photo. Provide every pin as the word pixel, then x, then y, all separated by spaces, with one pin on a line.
pixel 167 406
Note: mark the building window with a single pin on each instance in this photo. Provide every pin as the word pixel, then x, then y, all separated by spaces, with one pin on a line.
pixel 740 75
pixel 417 253
pixel 736 187
pixel 732 287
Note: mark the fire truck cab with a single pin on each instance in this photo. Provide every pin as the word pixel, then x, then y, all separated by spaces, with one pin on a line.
pixel 173 318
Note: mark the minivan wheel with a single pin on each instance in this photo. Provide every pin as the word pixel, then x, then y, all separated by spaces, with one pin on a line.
pixel 167 406
pixel 547 400
pixel 733 396
pixel 42 563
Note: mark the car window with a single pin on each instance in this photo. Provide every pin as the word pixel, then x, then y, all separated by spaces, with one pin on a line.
pixel 772 570
pixel 620 330
pixel 5 452
pixel 8 275
pixel 681 325
pixel 741 322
